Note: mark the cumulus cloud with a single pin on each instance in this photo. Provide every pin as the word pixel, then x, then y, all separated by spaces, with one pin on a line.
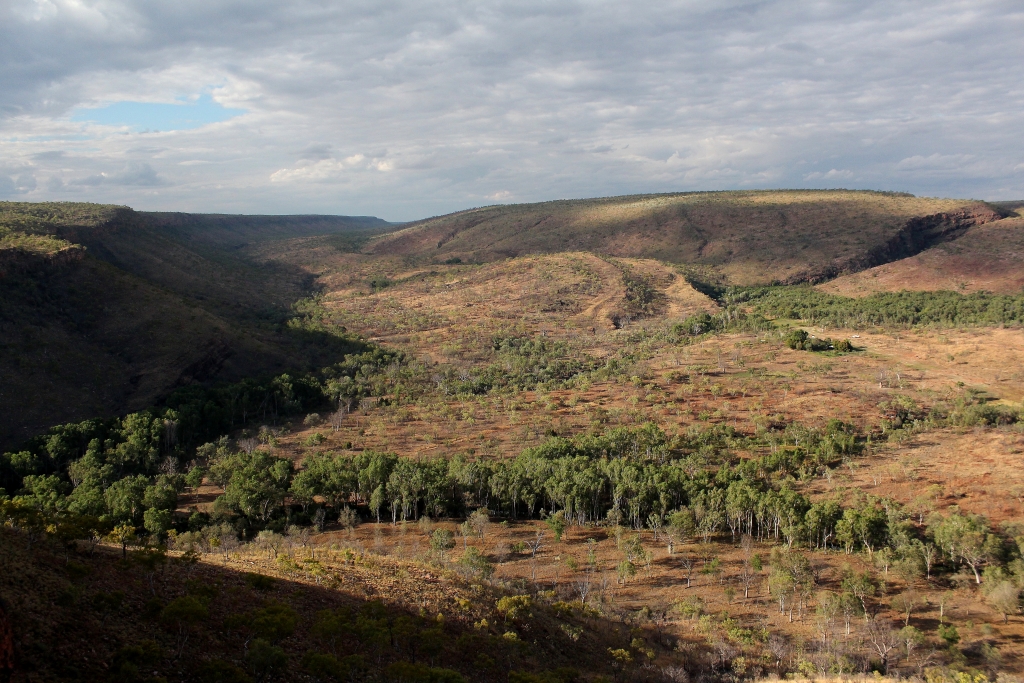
pixel 537 99
pixel 327 169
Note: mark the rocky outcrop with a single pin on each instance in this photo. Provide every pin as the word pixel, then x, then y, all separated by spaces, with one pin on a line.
pixel 15 262
pixel 917 234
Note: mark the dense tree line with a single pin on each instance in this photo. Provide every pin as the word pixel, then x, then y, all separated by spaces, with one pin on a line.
pixel 887 309
pixel 632 474
pixel 83 466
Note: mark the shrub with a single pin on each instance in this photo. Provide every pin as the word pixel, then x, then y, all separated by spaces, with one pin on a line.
pixel 476 562
pixel 514 606
pixel 406 672
pixel 260 582
pixel 265 660
pixel 442 540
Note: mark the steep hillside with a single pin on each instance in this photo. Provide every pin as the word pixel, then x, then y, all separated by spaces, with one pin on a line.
pixel 104 309
pixel 750 237
pixel 987 257
pixel 244 615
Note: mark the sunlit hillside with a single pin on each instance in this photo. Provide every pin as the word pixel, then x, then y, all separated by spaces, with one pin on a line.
pixel 749 237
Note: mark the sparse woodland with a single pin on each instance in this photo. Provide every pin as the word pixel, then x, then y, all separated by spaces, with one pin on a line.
pixel 549 468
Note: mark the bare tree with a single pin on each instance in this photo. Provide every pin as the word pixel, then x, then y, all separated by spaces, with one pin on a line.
pixel 686 562
pixel 885 641
pixel 337 418
pixel 655 522
pixel 945 600
pixel 828 610
pixel 582 585
pixel 747 577
pixel 929 553
pixel 779 648
pixel 534 544
pixel 480 519
pixel 906 602
pixel 248 444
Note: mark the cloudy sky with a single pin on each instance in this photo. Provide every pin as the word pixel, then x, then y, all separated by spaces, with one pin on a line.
pixel 409 108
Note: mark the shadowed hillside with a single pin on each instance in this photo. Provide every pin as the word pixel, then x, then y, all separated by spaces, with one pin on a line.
pixel 104 309
pixel 750 237
pixel 987 257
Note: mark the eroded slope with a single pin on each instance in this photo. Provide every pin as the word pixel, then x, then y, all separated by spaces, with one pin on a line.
pixel 987 257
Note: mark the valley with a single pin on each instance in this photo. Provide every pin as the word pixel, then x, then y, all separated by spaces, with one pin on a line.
pixel 695 437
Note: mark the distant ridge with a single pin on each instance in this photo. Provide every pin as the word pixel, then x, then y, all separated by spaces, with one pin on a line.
pixel 226 229
pixel 749 237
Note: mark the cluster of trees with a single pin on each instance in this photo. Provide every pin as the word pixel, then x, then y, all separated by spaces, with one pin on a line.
pixel 800 340
pixel 730 319
pixel 130 470
pixel 641 299
pixel 130 473
pixel 629 473
pixel 521 363
pixel 899 309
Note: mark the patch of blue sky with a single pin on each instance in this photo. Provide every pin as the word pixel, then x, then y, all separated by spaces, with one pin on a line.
pixel 155 116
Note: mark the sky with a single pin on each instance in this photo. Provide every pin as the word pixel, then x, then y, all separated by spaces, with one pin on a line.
pixel 405 109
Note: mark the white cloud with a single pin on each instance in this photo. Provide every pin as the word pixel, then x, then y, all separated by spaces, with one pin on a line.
pixel 832 174
pixel 324 170
pixel 543 99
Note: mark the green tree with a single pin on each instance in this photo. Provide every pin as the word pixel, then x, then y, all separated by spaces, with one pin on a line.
pixel 273 623
pixel 911 638
pixel 556 523
pixel 46 493
pixel 862 587
pixel 194 479
pixel 476 562
pixel 329 668
pixel 182 614
pixel 441 541
pixel 123 534
pixel 254 483
pixel 157 521
pixel 265 660
pixel 965 538
pixel 124 499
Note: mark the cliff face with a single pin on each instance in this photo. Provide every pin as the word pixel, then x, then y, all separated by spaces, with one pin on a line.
pixel 915 236
pixel 17 261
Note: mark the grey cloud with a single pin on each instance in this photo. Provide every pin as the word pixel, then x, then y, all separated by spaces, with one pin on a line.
pixel 133 174
pixel 315 152
pixel 16 185
pixel 52 155
pixel 536 99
